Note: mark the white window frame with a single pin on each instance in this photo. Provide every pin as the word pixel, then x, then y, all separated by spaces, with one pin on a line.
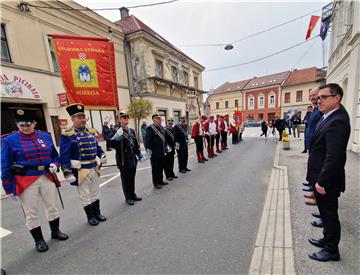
pixel 261 96
pixel 251 103
pixel 272 102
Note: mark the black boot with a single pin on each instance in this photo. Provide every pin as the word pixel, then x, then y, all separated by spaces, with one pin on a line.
pixel 90 215
pixel 40 244
pixel 96 209
pixel 55 231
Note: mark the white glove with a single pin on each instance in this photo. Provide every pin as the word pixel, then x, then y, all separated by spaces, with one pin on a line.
pixel 103 159
pixel 118 134
pixel 53 168
pixel 75 164
pixel 177 145
pixel 71 179
pixel 120 131
pixel 98 160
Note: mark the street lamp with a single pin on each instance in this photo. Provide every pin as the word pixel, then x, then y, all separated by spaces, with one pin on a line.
pixel 229 47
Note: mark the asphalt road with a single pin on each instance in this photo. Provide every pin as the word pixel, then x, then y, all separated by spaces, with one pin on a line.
pixel 205 221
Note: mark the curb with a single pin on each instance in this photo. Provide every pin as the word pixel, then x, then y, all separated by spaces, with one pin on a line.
pixel 273 252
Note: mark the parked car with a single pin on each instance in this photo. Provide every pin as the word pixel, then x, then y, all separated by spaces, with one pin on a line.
pixel 252 123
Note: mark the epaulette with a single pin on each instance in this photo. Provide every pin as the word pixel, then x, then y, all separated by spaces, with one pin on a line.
pixel 68 132
pixel 5 135
pixel 92 130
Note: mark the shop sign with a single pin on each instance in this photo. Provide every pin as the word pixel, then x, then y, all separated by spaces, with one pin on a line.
pixel 63 123
pixel 15 86
pixel 63 101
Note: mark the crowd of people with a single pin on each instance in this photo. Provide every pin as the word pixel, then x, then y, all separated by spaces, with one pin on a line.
pixel 30 161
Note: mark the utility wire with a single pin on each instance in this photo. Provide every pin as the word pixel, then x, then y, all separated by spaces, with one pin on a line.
pixel 101 9
pixel 301 58
pixel 262 58
pixel 252 35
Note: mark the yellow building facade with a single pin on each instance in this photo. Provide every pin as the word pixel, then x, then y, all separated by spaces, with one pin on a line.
pixel 28 61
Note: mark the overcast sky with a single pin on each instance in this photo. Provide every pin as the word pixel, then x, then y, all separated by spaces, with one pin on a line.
pixel 219 22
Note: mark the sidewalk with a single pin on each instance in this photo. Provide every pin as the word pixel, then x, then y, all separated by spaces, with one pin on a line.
pixel 301 218
pixel 281 246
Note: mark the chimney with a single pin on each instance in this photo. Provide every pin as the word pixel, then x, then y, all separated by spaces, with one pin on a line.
pixel 124 12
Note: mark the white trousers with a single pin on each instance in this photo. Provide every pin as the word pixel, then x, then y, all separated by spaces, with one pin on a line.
pixel 29 200
pixel 89 189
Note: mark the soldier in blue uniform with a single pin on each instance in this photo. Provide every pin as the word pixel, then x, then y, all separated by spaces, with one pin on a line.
pixel 157 147
pixel 29 162
pixel 127 155
pixel 181 141
pixel 169 157
pixel 81 158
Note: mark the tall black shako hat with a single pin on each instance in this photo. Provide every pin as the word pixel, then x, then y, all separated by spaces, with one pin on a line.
pixel 25 115
pixel 76 109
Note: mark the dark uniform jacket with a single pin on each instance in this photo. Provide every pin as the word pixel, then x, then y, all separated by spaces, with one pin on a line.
pixel 154 142
pixel 180 132
pixel 327 152
pixel 170 138
pixel 127 148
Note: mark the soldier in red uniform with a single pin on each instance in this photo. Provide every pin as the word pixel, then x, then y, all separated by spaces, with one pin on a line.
pixel 197 134
pixel 218 132
pixel 210 132
pixel 28 166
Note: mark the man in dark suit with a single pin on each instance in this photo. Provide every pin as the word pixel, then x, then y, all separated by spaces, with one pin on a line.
pixel 181 144
pixel 327 157
pixel 155 143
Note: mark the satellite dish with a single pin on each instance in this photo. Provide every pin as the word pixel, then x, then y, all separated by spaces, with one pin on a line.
pixel 229 47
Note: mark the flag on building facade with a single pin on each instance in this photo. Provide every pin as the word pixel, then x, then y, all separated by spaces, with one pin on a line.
pixel 324 28
pixel 313 21
pixel 87 67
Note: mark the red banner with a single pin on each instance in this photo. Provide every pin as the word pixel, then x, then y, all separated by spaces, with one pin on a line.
pixel 87 67
pixel 238 118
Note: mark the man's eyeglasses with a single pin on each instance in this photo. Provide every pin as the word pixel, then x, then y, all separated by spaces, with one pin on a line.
pixel 323 97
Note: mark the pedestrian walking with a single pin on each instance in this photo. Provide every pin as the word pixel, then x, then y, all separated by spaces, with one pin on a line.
pixel 143 132
pixel 29 162
pixel 106 132
pixel 157 148
pixel 169 156
pixel 296 121
pixel 264 128
pixel 181 144
pixel 327 157
pixel 127 154
pixel 280 125
pixel 197 134
pixel 81 158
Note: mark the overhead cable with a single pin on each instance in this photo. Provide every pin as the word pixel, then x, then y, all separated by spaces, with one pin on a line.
pixel 262 58
pixel 301 58
pixel 100 9
pixel 251 35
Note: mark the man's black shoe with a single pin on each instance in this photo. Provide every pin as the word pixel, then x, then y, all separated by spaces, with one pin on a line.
pixel 305 151
pixel 164 183
pixel 187 169
pixel 41 246
pixel 130 201
pixel 157 187
pixel 169 178
pixel 316 215
pixel 324 256
pixel 306 184
pixel 318 223
pixel 58 235
pixel 309 189
pixel 317 243
pixel 174 177
pixel 136 198
pixel 182 171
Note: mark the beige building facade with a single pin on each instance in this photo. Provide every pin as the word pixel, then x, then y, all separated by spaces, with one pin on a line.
pixel 344 61
pixel 28 61
pixel 161 73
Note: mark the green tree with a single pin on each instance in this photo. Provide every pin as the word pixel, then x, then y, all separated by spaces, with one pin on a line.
pixel 139 109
